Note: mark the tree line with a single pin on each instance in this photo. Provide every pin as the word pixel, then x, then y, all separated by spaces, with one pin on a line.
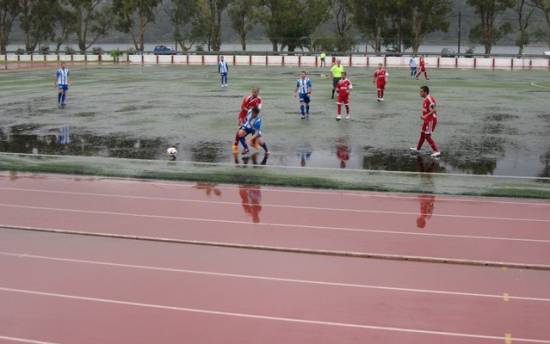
pixel 288 24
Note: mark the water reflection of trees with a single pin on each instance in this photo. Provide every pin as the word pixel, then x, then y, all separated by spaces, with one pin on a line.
pixel 545 159
pixel 397 160
pixel 475 154
pixel 206 151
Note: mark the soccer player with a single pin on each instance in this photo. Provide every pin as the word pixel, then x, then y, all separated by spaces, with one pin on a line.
pixel 336 74
pixel 429 119
pixel 252 125
pixel 62 84
pixel 380 79
pixel 422 63
pixel 343 88
pixel 223 69
pixel 303 88
pixel 323 57
pixel 250 101
pixel 412 67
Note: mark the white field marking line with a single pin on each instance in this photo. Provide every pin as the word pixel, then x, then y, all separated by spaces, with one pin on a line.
pixel 537 85
pixel 374 255
pixel 281 167
pixel 267 224
pixel 23 340
pixel 265 317
pixel 338 193
pixel 365 211
pixel 266 278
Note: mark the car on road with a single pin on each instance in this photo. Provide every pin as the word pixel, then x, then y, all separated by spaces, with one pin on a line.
pixel 163 50
pixel 448 52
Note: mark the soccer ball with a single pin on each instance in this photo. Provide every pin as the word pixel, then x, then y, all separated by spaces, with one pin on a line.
pixel 172 151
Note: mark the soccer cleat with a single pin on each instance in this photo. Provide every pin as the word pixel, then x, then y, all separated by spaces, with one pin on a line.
pixel 378 100
pixel 303 116
pixel 338 117
pixel 246 151
pixel 235 148
pixel 381 99
pixel 348 116
pixel 414 150
pixel 436 154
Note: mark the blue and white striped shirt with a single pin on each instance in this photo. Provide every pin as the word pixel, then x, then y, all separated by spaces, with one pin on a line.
pixel 223 67
pixel 304 86
pixel 62 76
pixel 253 123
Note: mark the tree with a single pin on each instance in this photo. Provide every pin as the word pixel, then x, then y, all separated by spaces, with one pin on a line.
pixel 9 9
pixel 370 17
pixel 399 31
pixel 215 9
pixel 63 25
pixel 428 16
pixel 189 21
pixel 244 16
pixel 36 20
pixel 342 11
pixel 544 6
pixel 524 13
pixel 291 22
pixel 487 32
pixel 133 16
pixel 91 20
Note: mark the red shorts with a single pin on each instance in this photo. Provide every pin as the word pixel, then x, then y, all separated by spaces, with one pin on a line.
pixel 422 69
pixel 380 85
pixel 343 98
pixel 428 127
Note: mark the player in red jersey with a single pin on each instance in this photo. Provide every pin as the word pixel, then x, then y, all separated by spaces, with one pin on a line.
pixel 380 79
pixel 429 118
pixel 250 101
pixel 343 88
pixel 422 63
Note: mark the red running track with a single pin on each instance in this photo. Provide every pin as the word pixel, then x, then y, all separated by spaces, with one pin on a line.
pixel 58 288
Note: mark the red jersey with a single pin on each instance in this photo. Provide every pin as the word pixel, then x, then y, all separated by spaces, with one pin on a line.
pixel 343 87
pixel 429 104
pixel 380 75
pixel 422 63
pixel 249 102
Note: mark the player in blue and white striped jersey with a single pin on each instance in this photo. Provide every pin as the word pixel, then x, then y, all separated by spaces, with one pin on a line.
pixel 252 125
pixel 62 84
pixel 303 88
pixel 223 68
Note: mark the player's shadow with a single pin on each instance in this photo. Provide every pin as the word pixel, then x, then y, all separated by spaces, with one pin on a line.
pixel 251 199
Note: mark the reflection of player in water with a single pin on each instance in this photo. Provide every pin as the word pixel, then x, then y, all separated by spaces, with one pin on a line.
pixel 209 188
pixel 64 136
pixel 426 209
pixel 251 199
pixel 304 157
pixel 342 152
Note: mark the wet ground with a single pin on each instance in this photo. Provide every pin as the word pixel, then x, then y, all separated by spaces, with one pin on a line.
pixel 491 123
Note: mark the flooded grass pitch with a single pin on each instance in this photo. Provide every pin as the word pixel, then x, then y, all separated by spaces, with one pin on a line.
pixel 490 122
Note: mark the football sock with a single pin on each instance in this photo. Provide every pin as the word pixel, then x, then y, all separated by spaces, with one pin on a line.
pixel 59 98
pixel 339 109
pixel 243 142
pixel 302 109
pixel 432 143
pixel 264 146
pixel 63 98
pixel 307 109
pixel 421 141
pixel 347 109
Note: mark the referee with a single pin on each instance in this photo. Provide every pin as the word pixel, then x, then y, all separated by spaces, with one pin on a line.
pixel 336 74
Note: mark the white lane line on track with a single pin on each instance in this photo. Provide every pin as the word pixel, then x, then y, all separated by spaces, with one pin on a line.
pixel 266 317
pixel 283 206
pixel 267 224
pixel 267 278
pixel 338 193
pixel 24 340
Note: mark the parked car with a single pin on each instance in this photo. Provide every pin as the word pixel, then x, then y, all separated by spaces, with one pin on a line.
pixel 469 52
pixel 393 52
pixel 163 50
pixel 448 52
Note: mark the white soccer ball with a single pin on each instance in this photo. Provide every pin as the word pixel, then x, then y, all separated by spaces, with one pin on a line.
pixel 172 151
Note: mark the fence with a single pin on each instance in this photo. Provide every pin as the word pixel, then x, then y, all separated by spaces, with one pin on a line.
pixel 506 63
